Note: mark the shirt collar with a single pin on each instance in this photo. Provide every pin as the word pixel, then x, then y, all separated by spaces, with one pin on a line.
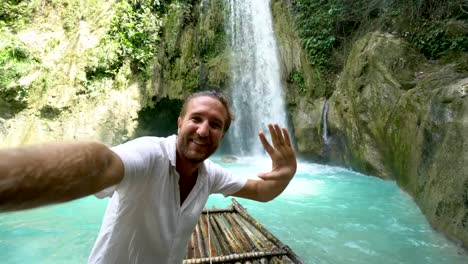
pixel 172 141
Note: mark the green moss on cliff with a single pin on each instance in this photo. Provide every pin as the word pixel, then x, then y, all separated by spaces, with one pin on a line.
pixel 63 75
pixel 297 78
pixel 17 61
pixel 178 51
pixel 193 55
pixel 217 71
pixel 65 34
pixel 212 47
pixel 435 28
pixel 133 35
pixel 400 116
pixel 16 14
pixel 211 34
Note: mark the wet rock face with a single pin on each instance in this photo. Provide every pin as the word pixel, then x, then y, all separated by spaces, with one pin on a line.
pixel 193 53
pixel 305 114
pixel 72 95
pixel 399 116
pixel 394 115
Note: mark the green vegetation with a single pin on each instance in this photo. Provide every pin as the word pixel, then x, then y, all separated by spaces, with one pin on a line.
pixel 177 55
pixel 133 36
pixel 51 112
pixel 135 28
pixel 316 22
pixel 177 18
pixel 326 26
pixel 16 61
pixel 193 49
pixel 434 27
pixel 212 47
pixel 297 78
pixel 17 13
pixel 23 76
pixel 434 39
pixel 212 35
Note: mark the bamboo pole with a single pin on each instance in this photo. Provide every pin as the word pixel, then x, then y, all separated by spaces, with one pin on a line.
pixel 209 244
pixel 228 234
pixel 286 260
pixel 234 230
pixel 230 209
pixel 249 231
pixel 235 257
pixel 200 242
pixel 243 212
pixel 225 249
pixel 246 242
pixel 247 234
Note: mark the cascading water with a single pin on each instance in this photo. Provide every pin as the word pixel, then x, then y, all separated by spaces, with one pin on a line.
pixel 256 87
pixel 324 122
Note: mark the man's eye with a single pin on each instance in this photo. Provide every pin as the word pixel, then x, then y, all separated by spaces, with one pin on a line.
pixel 196 119
pixel 216 125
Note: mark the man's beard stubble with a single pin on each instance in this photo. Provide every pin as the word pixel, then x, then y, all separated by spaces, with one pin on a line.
pixel 194 157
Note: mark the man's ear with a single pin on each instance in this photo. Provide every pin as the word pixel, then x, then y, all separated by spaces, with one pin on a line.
pixel 179 124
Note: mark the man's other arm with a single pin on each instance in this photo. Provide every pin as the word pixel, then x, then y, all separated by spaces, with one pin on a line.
pixel 284 165
pixel 54 173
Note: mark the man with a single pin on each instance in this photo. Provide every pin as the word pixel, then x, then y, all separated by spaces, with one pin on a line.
pixel 158 186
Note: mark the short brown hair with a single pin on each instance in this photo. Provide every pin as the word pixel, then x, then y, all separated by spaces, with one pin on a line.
pixel 216 95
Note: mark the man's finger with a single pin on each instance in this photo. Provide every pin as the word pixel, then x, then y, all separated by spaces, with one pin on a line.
pixel 274 135
pixel 287 140
pixel 279 133
pixel 265 143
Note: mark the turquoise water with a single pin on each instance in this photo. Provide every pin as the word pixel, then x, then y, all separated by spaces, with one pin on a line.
pixel 326 215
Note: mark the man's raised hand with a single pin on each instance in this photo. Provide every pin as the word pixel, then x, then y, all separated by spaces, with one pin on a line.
pixel 283 158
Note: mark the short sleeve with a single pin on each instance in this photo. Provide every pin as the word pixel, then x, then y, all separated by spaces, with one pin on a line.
pixel 138 156
pixel 223 181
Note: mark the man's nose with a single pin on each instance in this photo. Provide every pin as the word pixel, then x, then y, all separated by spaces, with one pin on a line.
pixel 203 129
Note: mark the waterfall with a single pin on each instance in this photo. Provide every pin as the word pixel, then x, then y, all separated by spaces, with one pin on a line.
pixel 324 122
pixel 256 89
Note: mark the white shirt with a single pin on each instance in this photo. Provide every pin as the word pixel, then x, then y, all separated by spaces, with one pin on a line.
pixel 144 222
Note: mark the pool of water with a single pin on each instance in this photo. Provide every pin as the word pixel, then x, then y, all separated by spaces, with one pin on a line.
pixel 326 215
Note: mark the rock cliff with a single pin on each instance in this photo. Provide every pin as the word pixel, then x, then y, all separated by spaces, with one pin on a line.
pixel 85 72
pixel 192 53
pixel 53 99
pixel 399 116
pixel 393 114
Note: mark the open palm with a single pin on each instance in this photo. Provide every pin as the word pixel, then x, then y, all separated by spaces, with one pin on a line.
pixel 283 157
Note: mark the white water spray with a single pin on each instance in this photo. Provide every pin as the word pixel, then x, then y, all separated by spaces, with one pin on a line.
pixel 257 94
pixel 324 123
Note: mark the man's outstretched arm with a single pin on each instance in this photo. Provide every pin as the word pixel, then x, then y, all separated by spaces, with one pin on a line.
pixel 54 173
pixel 284 165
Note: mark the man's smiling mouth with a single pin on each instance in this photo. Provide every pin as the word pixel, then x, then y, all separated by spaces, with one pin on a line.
pixel 199 143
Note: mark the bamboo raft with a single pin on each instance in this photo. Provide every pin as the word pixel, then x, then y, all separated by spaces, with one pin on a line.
pixel 231 235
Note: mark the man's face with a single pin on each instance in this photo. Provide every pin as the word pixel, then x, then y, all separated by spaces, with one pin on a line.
pixel 201 129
